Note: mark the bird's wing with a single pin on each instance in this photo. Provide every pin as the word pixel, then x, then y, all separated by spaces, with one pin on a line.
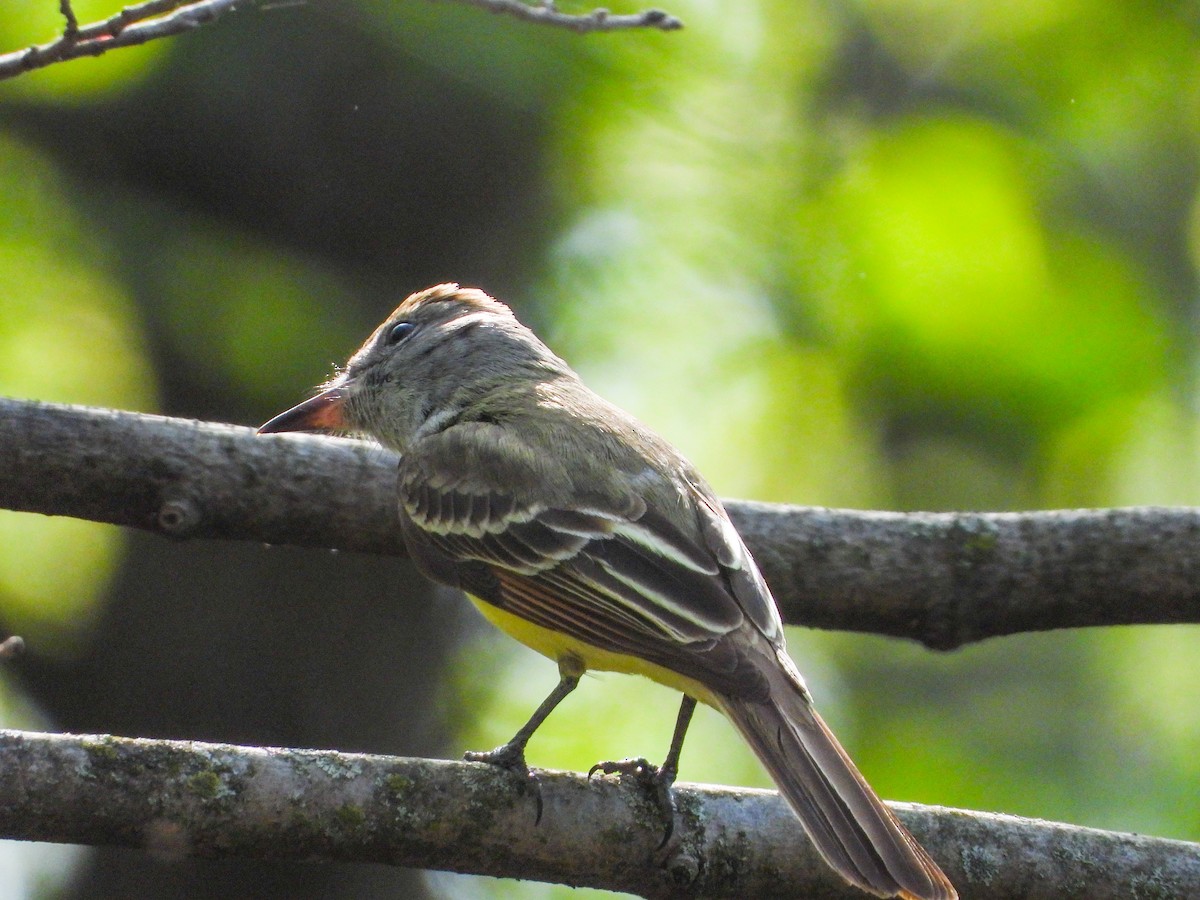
pixel 745 580
pixel 611 572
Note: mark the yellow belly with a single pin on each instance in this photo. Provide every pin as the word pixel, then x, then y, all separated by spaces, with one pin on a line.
pixel 557 645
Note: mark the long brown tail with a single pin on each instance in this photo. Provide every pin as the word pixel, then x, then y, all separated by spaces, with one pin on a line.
pixel 850 826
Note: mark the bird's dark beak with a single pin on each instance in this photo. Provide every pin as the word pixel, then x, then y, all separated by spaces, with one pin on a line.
pixel 320 413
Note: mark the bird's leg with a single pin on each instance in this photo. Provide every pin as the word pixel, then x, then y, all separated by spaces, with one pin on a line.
pixel 657 779
pixel 670 767
pixel 511 756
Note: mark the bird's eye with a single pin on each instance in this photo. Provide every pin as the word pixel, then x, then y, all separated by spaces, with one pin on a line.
pixel 400 331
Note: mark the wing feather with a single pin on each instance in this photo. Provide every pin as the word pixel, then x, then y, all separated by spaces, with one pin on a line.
pixel 715 663
pixel 745 580
pixel 614 572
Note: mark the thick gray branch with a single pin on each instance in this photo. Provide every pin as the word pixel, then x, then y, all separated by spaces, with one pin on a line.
pixel 183 478
pixel 943 579
pixel 948 579
pixel 179 798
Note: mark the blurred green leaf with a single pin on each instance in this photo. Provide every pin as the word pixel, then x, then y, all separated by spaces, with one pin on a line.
pixel 268 321
pixel 68 333
pixel 954 295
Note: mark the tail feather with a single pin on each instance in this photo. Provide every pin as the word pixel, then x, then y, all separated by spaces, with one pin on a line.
pixel 849 825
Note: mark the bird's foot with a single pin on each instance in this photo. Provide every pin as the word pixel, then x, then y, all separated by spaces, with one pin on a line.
pixel 655 780
pixel 511 758
pixel 635 766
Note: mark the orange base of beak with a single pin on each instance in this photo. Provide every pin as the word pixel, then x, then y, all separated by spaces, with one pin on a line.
pixel 320 413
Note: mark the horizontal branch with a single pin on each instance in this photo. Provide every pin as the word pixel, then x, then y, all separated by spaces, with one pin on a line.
pixel 187 479
pixel 943 579
pixel 949 579
pixel 183 798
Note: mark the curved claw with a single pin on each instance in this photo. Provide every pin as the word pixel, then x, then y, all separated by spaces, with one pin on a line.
pixel 654 779
pixel 511 757
pixel 637 766
pixel 663 779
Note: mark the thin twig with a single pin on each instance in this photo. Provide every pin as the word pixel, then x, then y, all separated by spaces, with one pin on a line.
pixel 155 19
pixel 211 800
pixel 546 13
pixel 132 26
pixel 141 12
pixel 71 30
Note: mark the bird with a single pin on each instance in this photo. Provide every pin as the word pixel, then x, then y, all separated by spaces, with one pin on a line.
pixel 588 537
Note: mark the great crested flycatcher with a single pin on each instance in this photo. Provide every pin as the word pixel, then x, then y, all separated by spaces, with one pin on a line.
pixel 588 537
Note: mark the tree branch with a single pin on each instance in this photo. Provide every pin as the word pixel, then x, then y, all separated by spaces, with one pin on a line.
pixel 943 579
pixel 155 19
pixel 181 798
pixel 949 579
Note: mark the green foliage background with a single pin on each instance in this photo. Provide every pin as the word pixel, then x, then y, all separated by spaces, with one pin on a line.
pixel 875 253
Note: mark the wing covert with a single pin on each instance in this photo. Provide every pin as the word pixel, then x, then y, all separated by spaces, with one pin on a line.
pixel 612 572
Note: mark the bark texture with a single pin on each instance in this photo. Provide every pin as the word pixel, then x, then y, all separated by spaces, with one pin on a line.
pixel 943 579
pixel 176 798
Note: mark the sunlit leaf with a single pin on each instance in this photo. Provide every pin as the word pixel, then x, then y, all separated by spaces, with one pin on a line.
pixel 69 334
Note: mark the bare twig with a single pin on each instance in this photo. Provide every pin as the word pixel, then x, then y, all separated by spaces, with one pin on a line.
pixel 131 26
pixel 71 29
pixel 546 13
pixel 155 19
pixel 943 579
pixel 210 800
pixel 11 647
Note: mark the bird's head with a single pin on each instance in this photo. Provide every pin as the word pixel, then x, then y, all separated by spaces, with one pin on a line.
pixel 442 351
